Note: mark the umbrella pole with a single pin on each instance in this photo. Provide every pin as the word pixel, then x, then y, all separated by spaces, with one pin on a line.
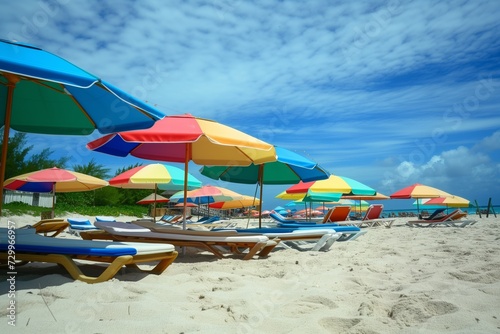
pixel 261 181
pixel 6 128
pixel 53 199
pixel 186 166
pixel 154 207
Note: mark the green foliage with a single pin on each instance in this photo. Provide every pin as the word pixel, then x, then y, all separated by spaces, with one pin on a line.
pixel 17 164
pixel 17 151
pixel 93 169
pixel 19 208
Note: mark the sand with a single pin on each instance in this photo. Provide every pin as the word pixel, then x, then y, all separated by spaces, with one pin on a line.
pixel 397 280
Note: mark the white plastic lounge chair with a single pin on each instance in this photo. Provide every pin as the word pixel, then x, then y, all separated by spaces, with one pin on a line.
pixel 142 231
pixel 321 239
pixel 32 247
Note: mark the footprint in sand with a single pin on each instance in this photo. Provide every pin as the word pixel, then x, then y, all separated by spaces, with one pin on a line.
pixel 308 305
pixel 485 277
pixel 338 325
pixel 410 311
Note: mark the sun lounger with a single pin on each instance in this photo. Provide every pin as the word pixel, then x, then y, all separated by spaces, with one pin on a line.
pixel 371 218
pixel 32 247
pixel 77 225
pixel 435 214
pixel 453 219
pixel 47 226
pixel 143 231
pixel 322 239
pixel 105 219
pixel 349 232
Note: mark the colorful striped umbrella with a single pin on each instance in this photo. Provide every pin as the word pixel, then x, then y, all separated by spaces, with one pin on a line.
pixel 153 198
pixel 184 138
pixel 418 190
pixel 452 201
pixel 289 168
pixel 54 180
pixel 154 176
pixel 243 202
pixel 43 93
pixel 334 184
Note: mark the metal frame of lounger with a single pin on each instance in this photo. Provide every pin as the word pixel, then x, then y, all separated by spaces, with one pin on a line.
pixel 205 240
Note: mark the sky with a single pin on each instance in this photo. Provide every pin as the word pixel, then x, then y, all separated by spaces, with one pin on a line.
pixel 389 93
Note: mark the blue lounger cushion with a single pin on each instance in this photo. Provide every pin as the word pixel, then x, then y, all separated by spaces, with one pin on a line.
pixel 80 224
pixel 28 241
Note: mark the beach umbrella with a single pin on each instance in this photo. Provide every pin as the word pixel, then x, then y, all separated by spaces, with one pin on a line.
pixel 153 198
pixel 54 180
pixel 185 138
pixel 151 176
pixel 289 168
pixel 334 185
pixel 417 191
pixel 243 202
pixel 452 201
pixel 206 195
pixel 46 94
pixel 360 198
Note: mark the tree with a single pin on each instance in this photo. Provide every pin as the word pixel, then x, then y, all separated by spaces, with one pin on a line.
pixel 17 162
pixel 101 196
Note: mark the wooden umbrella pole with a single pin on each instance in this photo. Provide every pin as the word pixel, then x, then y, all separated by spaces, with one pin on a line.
pixel 53 199
pixel 6 128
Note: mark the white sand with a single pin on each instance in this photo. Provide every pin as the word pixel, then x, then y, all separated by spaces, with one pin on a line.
pixel 397 280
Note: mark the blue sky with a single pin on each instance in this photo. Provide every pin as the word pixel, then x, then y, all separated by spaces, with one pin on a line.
pixel 388 93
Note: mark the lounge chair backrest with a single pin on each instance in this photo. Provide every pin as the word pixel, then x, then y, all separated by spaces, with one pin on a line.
pixel 446 217
pixel 458 214
pixel 337 214
pixel 374 211
pixel 276 216
pixel 435 213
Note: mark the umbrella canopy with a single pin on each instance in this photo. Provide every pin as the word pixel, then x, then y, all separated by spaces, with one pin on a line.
pixel 418 190
pixel 289 168
pixel 54 180
pixel 189 205
pixel 150 176
pixel 154 176
pixel 334 184
pixel 206 195
pixel 453 201
pixel 44 93
pixel 153 198
pixel 310 196
pixel 184 138
pixel 243 202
